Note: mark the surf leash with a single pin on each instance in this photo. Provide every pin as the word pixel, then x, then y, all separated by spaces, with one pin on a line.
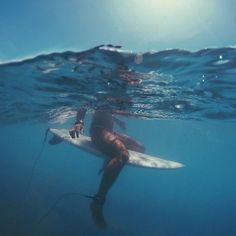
pixel 28 187
pixel 58 200
pixel 36 162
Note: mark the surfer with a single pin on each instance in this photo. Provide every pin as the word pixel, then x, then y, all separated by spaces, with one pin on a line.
pixel 115 146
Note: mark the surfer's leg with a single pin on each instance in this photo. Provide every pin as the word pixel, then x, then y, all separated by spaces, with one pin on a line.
pixel 110 144
pixel 113 168
pixel 131 143
pixel 110 174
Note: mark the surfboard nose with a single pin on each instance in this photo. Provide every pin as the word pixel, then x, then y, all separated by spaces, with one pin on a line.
pixel 179 165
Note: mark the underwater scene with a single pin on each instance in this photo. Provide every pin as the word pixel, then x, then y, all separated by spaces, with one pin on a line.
pixel 178 105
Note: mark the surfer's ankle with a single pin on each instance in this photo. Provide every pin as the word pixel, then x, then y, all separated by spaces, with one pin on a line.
pixel 99 199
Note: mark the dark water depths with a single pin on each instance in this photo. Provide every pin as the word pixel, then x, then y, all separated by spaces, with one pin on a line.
pixel 189 100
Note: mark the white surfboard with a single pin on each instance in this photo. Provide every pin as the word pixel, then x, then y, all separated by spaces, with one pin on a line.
pixel 135 158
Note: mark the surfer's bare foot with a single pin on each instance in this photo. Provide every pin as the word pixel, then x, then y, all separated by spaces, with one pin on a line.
pixel 97 214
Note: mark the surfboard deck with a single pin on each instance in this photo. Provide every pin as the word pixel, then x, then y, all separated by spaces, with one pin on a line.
pixel 135 158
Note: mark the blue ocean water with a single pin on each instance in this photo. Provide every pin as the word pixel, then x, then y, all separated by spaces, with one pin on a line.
pixel 184 110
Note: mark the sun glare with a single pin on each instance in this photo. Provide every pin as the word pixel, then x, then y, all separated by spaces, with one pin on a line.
pixel 164 19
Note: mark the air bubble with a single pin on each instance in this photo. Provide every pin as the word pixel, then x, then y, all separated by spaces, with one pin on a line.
pixel 179 106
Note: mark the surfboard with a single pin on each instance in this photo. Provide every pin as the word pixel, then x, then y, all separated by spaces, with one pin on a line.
pixel 135 158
